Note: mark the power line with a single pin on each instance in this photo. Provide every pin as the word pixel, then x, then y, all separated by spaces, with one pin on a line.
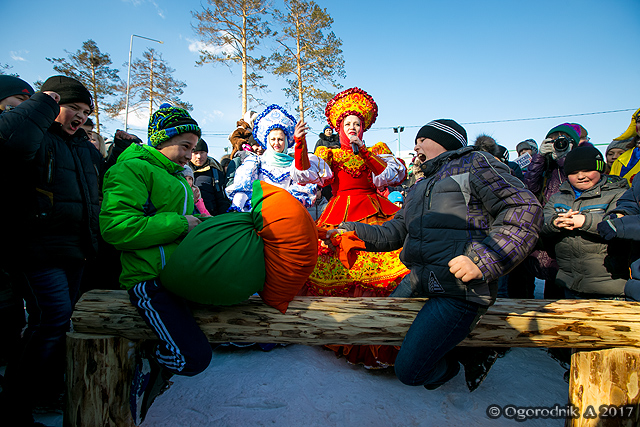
pixel 522 119
pixel 549 117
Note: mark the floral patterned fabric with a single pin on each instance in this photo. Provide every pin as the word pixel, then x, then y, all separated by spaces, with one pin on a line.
pixel 356 199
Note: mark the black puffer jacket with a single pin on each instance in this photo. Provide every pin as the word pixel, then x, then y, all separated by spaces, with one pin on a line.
pixel 588 264
pixel 332 141
pixel 467 204
pixel 58 204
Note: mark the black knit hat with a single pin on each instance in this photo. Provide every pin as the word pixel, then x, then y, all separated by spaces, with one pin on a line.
pixel 445 132
pixel 11 86
pixel 584 158
pixel 201 146
pixel 69 89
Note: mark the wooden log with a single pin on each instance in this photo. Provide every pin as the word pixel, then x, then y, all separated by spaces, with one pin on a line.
pixel 99 370
pixel 605 387
pixel 334 320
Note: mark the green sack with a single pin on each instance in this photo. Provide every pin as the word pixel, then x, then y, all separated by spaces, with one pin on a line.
pixel 220 262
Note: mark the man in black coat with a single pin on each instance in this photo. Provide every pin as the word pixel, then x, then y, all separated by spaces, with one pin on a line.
pixel 210 178
pixel 331 140
pixel 55 217
pixel 327 139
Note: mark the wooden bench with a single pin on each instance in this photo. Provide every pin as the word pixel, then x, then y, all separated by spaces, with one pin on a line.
pixel 605 366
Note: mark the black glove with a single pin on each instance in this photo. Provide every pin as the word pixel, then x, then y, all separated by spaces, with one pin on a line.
pixel 123 139
pixel 607 228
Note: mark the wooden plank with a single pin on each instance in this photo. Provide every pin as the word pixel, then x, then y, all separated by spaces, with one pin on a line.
pixel 335 320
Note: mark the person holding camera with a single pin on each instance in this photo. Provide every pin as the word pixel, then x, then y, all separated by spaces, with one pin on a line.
pixel 545 173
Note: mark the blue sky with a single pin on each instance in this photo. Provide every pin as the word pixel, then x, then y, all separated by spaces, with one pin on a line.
pixel 472 61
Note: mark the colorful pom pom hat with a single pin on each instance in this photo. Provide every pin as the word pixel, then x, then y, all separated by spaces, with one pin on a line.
pixel 354 101
pixel 631 130
pixel 273 117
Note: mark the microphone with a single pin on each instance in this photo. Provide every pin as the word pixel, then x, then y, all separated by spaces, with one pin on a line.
pixel 354 147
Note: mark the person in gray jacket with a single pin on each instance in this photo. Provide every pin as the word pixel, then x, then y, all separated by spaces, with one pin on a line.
pixel 468 222
pixel 588 266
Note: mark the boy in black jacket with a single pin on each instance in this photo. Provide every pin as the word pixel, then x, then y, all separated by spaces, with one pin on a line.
pixel 55 216
pixel 468 222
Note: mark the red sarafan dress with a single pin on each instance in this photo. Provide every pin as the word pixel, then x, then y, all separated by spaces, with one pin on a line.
pixel 354 179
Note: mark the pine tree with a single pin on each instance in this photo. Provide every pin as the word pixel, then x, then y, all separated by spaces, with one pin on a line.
pixel 231 30
pixel 311 55
pixel 152 84
pixel 4 68
pixel 91 67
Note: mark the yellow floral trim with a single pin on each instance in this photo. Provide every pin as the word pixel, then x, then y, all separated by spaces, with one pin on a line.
pixel 376 271
pixel 345 160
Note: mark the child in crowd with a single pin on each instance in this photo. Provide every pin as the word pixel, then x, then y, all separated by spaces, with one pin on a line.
pixel 200 208
pixel 13 91
pixel 209 177
pixel 98 141
pixel 468 222
pixel 146 212
pixel 396 198
pixel 627 165
pixel 588 267
pixel 614 150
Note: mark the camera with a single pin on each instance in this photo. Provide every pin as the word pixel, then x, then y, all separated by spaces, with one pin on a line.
pixel 561 143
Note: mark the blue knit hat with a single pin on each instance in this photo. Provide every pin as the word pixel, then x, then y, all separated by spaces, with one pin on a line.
pixel 168 122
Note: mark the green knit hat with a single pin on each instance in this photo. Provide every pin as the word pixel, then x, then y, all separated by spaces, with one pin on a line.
pixel 168 122
pixel 571 129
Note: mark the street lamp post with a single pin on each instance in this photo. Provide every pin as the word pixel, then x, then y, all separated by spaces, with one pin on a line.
pixel 398 130
pixel 126 113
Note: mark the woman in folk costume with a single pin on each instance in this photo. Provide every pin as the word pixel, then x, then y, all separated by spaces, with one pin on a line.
pixel 628 164
pixel 354 179
pixel 273 129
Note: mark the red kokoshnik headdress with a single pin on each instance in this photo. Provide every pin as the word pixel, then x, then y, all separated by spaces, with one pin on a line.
pixel 354 101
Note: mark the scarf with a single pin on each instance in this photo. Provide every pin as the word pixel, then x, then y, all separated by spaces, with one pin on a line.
pixel 279 160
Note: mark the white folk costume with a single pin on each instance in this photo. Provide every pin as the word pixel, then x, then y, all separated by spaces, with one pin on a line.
pixel 271 167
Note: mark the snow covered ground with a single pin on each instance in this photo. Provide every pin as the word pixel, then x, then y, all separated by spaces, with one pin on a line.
pixel 299 385
pixel 308 386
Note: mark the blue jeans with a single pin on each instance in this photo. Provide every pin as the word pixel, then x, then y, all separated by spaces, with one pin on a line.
pixel 50 294
pixel 441 324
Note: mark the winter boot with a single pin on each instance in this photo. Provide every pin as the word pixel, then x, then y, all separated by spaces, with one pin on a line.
pixel 150 380
pixel 477 362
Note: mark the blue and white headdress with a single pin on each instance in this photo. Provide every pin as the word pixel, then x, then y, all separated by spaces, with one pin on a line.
pixel 274 117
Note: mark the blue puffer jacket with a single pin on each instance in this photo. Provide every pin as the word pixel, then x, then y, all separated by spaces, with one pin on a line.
pixel 467 204
pixel 628 227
